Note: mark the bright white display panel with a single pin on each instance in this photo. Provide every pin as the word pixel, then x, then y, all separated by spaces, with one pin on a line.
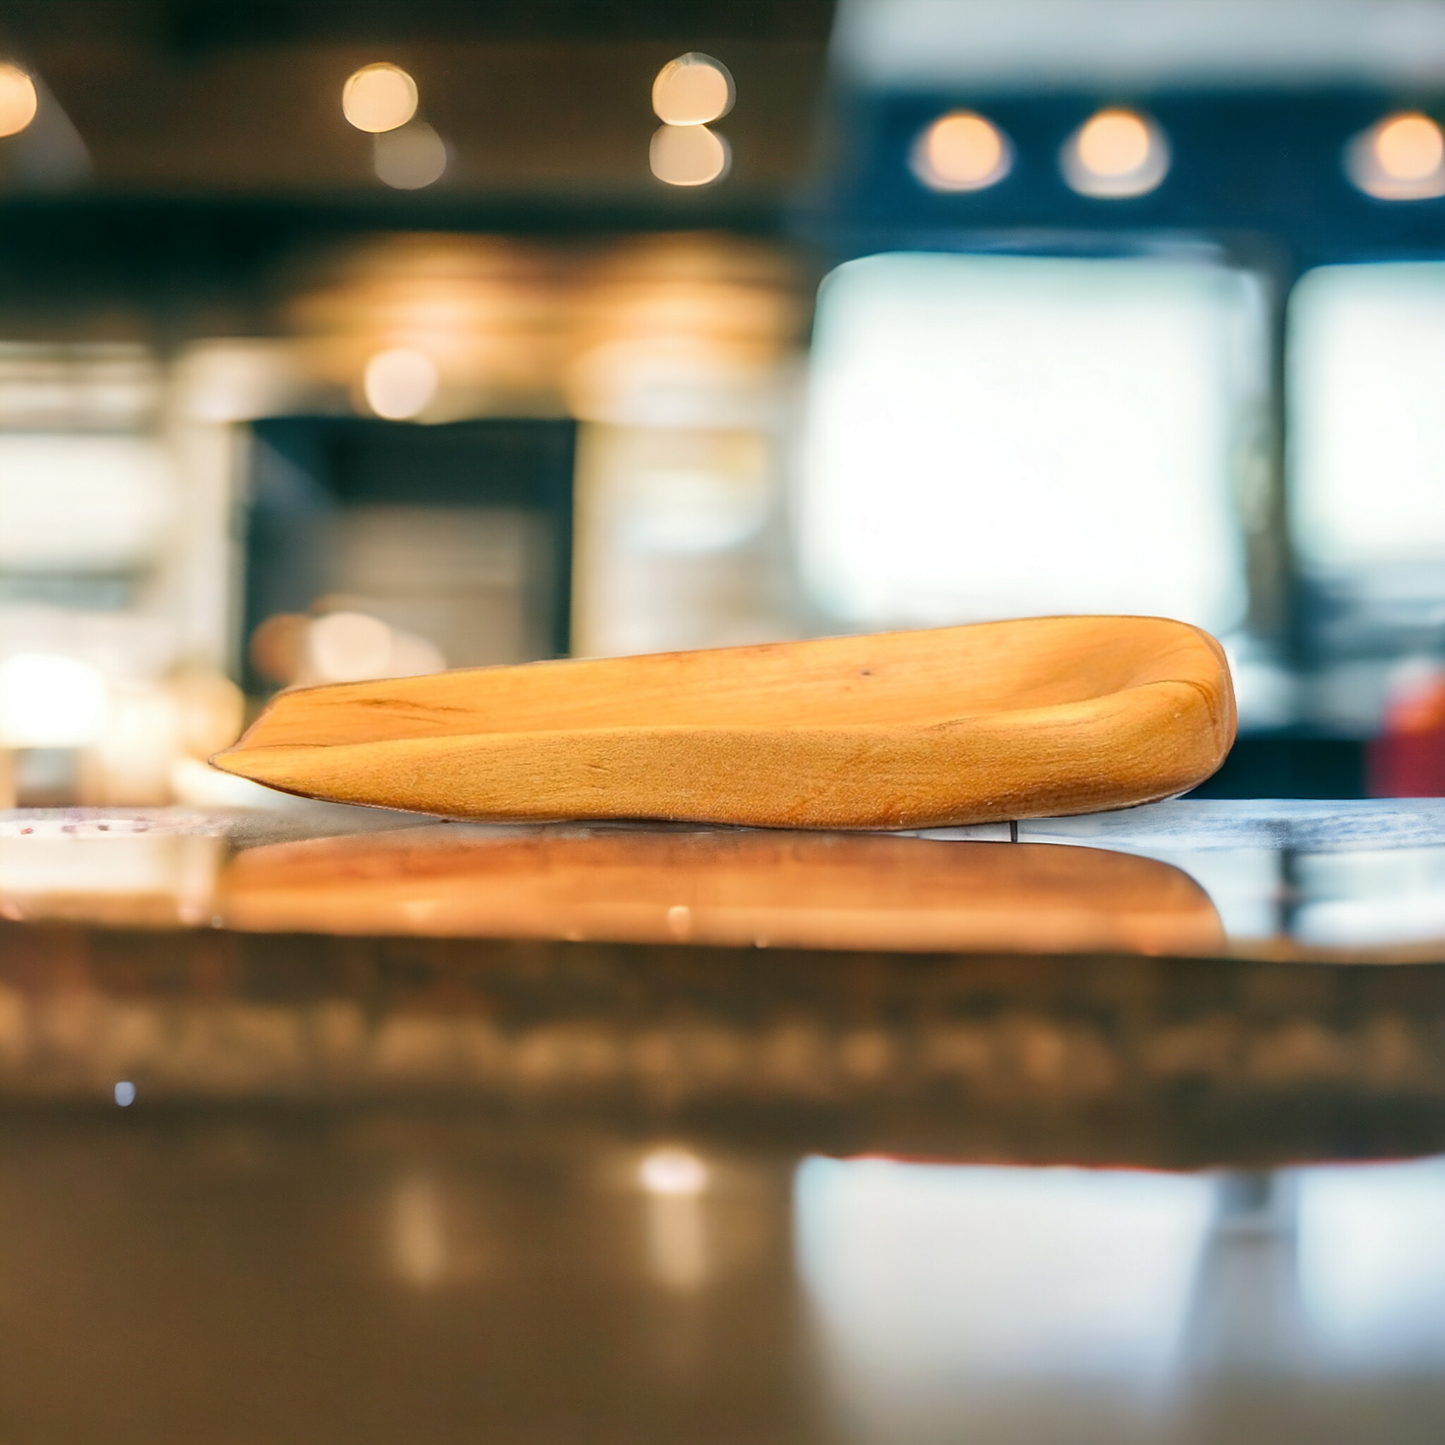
pixel 1002 436
pixel 1367 415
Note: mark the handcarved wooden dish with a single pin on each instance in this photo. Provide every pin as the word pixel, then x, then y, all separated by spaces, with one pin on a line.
pixel 1000 720
pixel 732 887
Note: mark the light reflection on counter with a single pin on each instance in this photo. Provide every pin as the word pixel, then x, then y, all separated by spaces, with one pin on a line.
pixel 924 1274
pixel 1064 1304
pixel 1359 899
pixel 1372 1265
pixel 674 1181
pixel 418 1237
pixel 140 880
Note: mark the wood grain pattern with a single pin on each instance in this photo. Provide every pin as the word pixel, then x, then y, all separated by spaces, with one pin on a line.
pixel 1000 720
pixel 731 887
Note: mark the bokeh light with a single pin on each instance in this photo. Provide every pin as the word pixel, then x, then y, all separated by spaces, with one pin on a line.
pixel 48 700
pixel 962 151
pixel 1402 158
pixel 692 90
pixel 349 647
pixel 673 1171
pixel 1114 154
pixel 400 382
pixel 1114 143
pixel 411 157
pixel 688 155
pixel 1409 147
pixel 379 98
pixel 18 99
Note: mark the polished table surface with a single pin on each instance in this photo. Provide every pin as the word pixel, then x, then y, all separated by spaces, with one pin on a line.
pixel 335 1125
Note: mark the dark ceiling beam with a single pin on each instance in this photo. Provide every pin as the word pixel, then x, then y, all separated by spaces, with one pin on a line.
pixel 183 26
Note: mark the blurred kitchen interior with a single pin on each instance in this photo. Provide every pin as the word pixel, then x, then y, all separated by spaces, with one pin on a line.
pixel 352 340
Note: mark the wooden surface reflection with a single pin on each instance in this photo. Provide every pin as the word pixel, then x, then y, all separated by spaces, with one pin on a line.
pixel 732 888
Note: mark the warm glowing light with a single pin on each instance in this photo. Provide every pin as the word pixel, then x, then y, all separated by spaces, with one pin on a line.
pixel 1409 147
pixel 962 152
pixel 50 701
pixel 379 98
pixel 418 1231
pixel 410 158
pixel 692 90
pixel 688 155
pixel 400 383
pixel 673 1171
pixel 1116 153
pixel 1114 143
pixel 18 100
pixel 278 647
pixel 1400 159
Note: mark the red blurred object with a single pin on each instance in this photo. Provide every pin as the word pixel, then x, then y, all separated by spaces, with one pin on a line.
pixel 1407 760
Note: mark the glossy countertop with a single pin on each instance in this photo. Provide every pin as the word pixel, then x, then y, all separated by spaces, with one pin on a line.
pixel 1357 880
pixel 326 1124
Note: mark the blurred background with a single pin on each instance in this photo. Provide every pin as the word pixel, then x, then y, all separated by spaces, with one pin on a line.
pixel 350 341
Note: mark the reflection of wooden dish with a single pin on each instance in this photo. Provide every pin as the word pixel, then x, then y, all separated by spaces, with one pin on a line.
pixel 730 888
pixel 900 730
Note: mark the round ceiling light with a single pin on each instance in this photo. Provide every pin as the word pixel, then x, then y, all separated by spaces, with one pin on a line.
pixel 1400 158
pixel 962 151
pixel 692 90
pixel 379 98
pixel 1115 154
